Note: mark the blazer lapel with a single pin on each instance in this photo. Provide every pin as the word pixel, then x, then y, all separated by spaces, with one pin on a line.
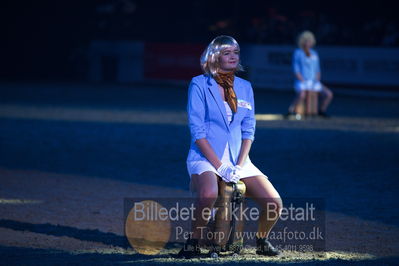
pixel 237 88
pixel 238 95
pixel 218 98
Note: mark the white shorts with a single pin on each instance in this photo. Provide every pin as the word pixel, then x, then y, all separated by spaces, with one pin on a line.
pixel 198 167
pixel 310 85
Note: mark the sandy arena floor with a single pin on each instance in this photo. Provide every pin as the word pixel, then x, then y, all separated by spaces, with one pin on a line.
pixel 69 160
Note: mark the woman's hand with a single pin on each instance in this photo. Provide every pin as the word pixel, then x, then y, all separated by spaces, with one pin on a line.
pixel 299 76
pixel 318 76
pixel 207 150
pixel 228 173
pixel 238 172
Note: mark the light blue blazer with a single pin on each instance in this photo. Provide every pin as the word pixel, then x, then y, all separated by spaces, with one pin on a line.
pixel 208 119
pixel 308 67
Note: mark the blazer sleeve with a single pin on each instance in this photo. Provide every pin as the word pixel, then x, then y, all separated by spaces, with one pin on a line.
pixel 196 111
pixel 249 122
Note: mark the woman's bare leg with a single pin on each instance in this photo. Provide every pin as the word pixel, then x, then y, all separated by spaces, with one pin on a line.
pixel 308 105
pixel 299 97
pixel 205 187
pixel 263 192
pixel 327 97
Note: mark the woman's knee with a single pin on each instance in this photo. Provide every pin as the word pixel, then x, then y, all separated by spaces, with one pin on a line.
pixel 273 206
pixel 205 186
pixel 279 204
pixel 328 93
pixel 208 196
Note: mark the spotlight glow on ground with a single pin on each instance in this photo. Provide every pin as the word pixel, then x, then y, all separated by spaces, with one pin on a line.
pixel 269 117
pixel 19 201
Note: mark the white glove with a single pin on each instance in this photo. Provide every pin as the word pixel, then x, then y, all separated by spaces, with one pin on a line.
pixel 236 174
pixel 226 172
pixel 237 171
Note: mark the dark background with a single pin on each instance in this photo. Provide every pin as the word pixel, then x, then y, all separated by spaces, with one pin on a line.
pixel 49 39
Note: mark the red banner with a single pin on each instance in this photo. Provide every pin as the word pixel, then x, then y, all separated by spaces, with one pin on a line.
pixel 172 61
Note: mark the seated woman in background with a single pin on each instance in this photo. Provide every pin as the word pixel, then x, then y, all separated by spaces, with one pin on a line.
pixel 306 67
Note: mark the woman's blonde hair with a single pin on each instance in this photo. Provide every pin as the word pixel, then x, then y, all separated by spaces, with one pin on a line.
pixel 210 57
pixel 304 36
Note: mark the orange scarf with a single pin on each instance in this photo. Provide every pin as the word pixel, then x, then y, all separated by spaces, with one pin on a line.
pixel 226 81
